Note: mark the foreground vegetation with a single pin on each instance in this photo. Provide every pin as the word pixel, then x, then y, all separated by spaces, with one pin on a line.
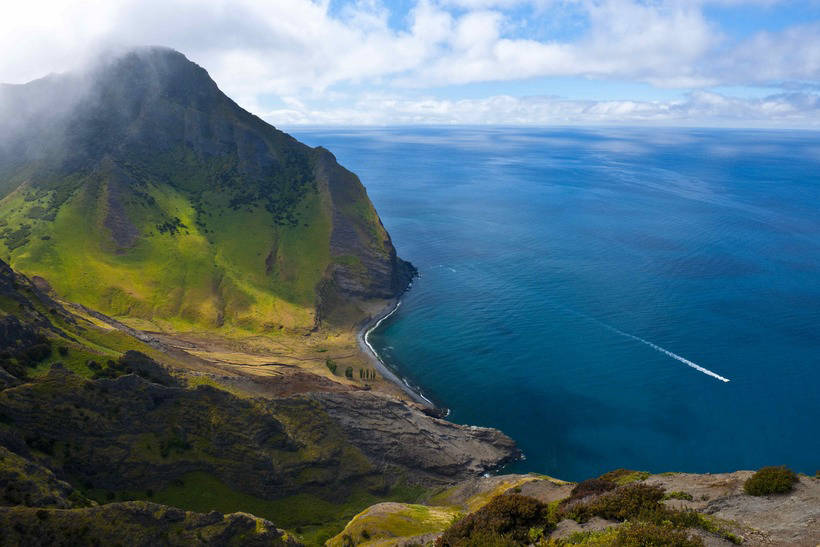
pixel 771 480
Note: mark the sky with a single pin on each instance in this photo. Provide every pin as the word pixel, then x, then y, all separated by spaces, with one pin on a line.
pixel 736 63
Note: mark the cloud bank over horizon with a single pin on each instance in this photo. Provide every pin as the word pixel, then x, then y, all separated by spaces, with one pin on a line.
pixel 746 63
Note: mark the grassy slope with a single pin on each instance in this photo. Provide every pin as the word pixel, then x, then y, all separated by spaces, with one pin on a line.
pixel 203 276
pixel 313 519
pixel 80 340
pixel 394 522
pixel 312 516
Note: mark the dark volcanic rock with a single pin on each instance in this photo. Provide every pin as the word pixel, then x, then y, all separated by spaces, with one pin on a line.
pixel 397 436
pixel 130 433
pixel 373 271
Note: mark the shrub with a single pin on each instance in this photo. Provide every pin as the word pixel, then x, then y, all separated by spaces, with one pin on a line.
pixel 633 501
pixel 591 487
pixel 37 352
pixel 650 535
pixel 172 226
pixel 484 539
pixel 678 496
pixel 770 480
pixel 331 365
pixel 62 350
pixel 506 520
pixel 349 372
pixel 692 519
pixel 624 476
pixel 132 362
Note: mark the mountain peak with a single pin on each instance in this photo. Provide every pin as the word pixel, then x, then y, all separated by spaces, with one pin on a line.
pixel 155 69
pixel 183 207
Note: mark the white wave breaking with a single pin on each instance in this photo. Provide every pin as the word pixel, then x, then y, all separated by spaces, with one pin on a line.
pixel 366 339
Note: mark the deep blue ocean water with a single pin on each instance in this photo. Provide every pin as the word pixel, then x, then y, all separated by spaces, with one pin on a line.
pixel 551 258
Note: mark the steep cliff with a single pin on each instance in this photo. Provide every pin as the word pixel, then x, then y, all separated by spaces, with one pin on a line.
pixel 137 188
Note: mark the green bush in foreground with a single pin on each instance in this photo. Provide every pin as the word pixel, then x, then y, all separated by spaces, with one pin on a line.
pixel 506 520
pixel 771 480
pixel 591 487
pixel 624 476
pixel 642 503
pixel 678 496
pixel 513 519
pixel 627 502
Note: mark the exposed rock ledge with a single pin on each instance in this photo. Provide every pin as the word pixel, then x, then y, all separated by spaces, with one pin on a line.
pixel 395 435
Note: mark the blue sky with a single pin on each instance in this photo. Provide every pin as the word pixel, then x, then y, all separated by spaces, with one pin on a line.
pixel 746 63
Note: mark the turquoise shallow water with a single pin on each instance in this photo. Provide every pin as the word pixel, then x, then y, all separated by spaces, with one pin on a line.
pixel 557 265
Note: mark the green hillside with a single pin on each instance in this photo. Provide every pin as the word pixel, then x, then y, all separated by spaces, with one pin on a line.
pixel 154 197
pixel 88 416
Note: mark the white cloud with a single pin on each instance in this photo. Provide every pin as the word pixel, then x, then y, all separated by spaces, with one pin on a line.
pixel 699 108
pixel 261 51
pixel 792 54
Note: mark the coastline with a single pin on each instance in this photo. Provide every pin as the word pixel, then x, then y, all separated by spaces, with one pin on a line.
pixel 364 345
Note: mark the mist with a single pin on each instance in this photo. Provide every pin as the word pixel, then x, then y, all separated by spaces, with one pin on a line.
pixel 66 119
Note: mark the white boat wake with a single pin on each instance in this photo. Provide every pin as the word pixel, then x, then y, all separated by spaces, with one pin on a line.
pixel 675 356
pixel 652 345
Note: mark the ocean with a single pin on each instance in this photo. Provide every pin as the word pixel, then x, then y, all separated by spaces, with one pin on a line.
pixel 590 291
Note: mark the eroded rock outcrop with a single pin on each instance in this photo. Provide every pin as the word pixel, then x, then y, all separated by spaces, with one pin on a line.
pixel 395 435
pixel 133 432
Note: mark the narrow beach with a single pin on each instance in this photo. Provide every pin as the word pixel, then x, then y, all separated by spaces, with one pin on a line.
pixel 362 339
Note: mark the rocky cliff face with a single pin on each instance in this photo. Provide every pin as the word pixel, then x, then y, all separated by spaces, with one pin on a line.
pixel 130 433
pixel 398 438
pixel 376 271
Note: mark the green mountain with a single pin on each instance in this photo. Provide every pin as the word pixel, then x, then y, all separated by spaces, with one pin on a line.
pixel 135 196
pixel 137 188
